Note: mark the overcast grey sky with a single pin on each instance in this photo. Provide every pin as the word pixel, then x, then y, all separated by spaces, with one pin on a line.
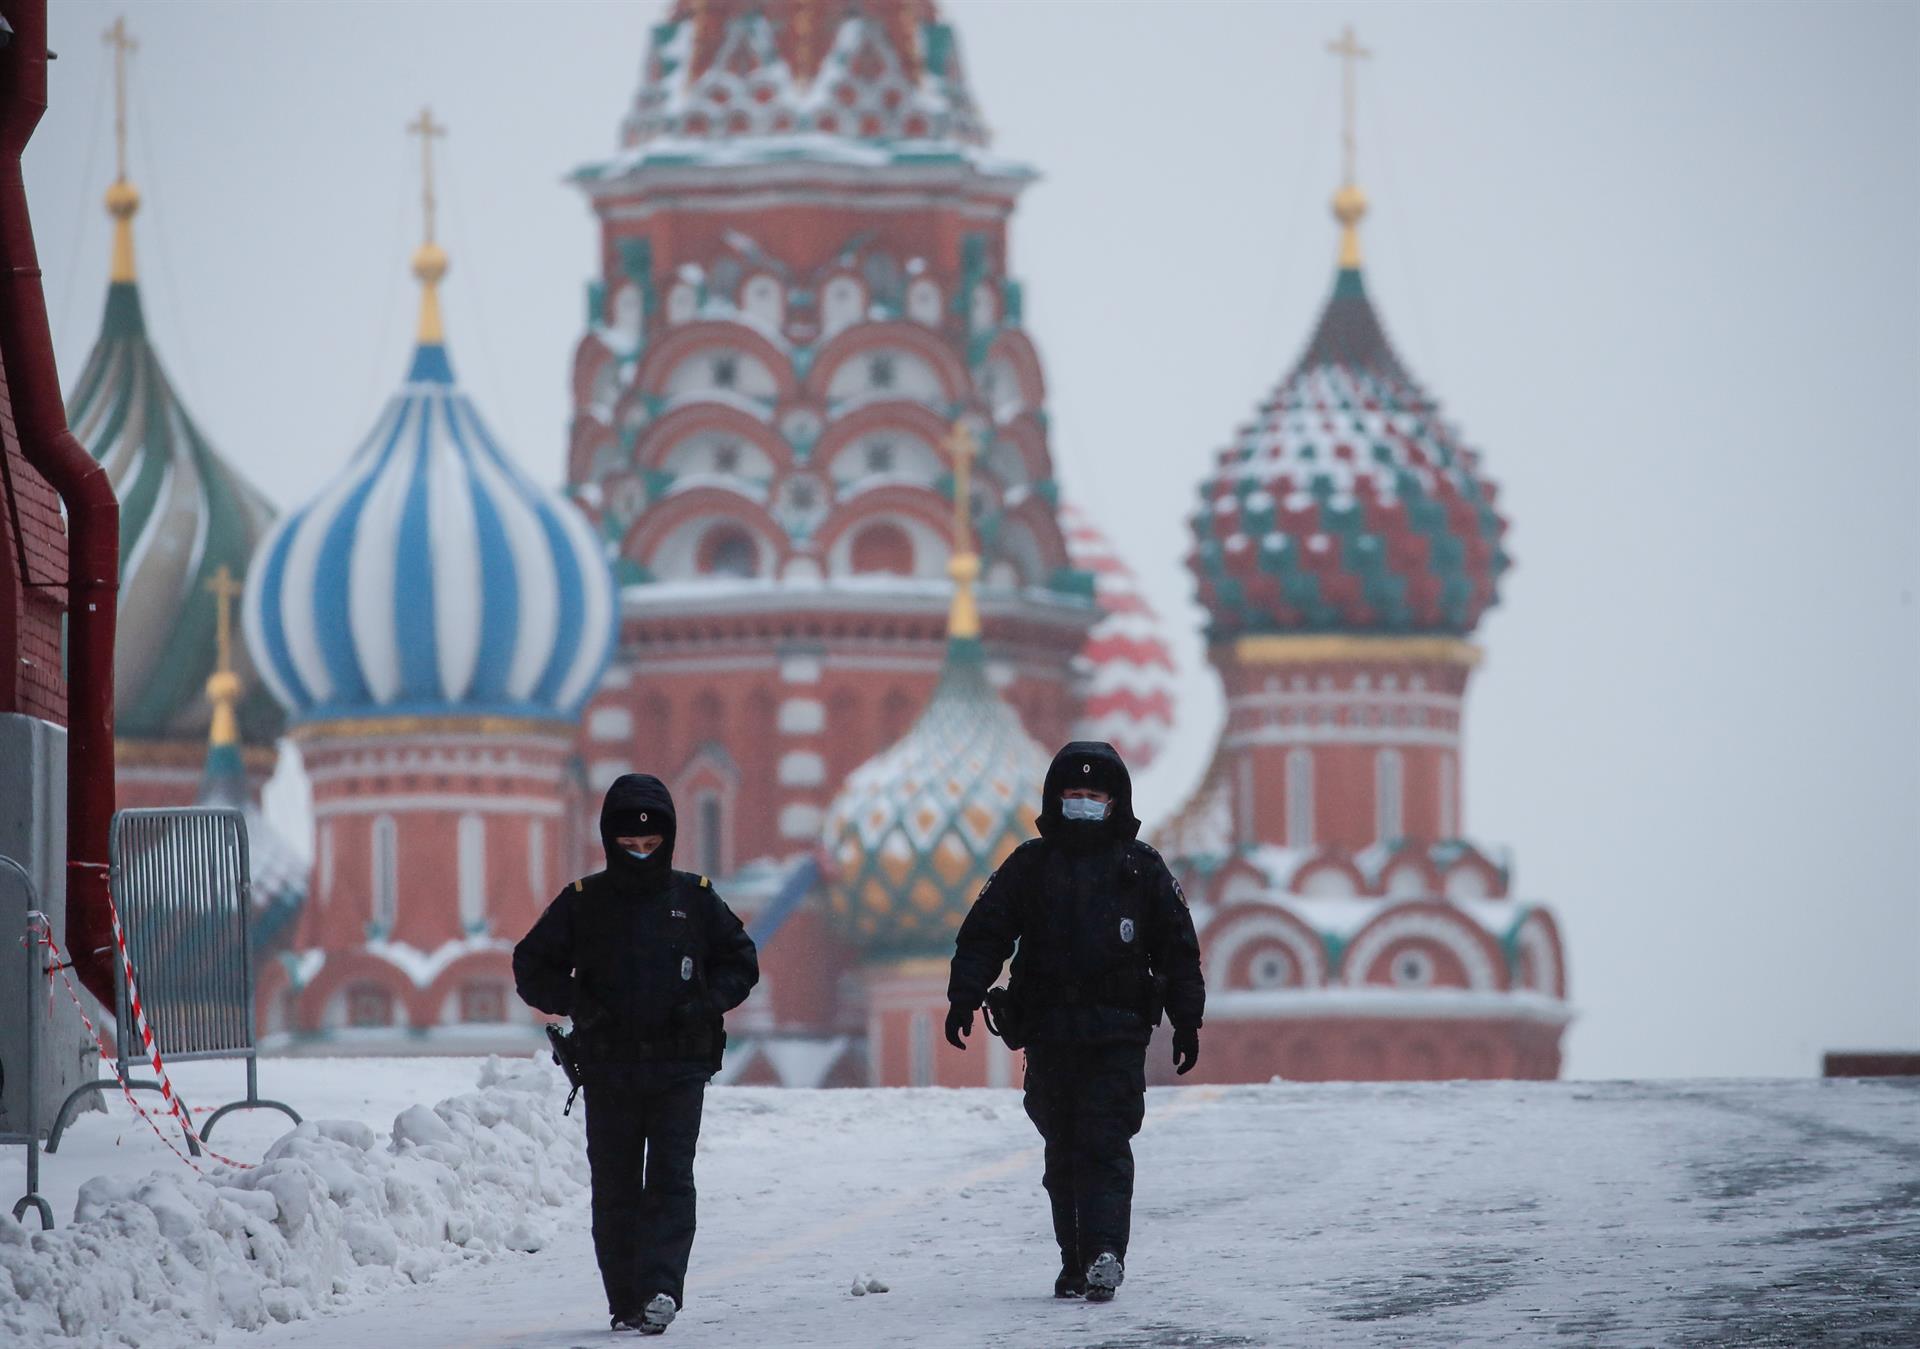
pixel 1658 261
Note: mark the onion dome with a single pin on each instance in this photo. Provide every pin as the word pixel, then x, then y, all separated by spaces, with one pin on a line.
pixel 185 512
pixel 1348 505
pixel 918 828
pixel 432 577
pixel 856 80
pixel 1125 666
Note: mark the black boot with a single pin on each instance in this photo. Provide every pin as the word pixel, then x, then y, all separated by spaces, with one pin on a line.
pixel 659 1314
pixel 1104 1276
pixel 1072 1281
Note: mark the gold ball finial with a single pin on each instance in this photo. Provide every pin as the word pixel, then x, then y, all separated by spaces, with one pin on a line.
pixel 122 199
pixel 1349 205
pixel 430 263
pixel 223 686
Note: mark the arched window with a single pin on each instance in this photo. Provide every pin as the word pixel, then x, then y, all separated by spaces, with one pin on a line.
pixel 764 300
pixel 471 852
pixel 712 821
pixel 1300 798
pixel 326 859
pixel 386 874
pixel 537 881
pixel 1389 795
pixel 842 304
pixel 882 549
pixel 728 551
pixel 482 1003
pixel 369 1006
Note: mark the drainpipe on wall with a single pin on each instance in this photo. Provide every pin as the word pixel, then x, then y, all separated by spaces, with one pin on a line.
pixel 93 513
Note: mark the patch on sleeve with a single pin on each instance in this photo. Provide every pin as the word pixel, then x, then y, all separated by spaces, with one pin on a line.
pixel 1178 893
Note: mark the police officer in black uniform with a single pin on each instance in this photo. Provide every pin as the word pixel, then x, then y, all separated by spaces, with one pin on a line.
pixel 646 960
pixel 1101 942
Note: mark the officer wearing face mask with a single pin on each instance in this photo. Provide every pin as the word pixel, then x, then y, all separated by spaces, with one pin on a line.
pixel 646 960
pixel 1101 943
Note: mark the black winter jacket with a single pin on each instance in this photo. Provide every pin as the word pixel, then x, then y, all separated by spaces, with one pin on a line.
pixel 1089 914
pixel 645 959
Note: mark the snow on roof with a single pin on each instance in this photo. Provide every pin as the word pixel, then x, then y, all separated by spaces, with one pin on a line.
pixel 799 147
pixel 423 967
pixel 1424 1003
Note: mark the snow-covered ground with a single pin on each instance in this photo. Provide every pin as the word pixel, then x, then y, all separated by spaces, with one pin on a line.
pixel 1775 1213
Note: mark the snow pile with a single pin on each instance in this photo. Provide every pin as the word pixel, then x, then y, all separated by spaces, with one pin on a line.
pixel 328 1217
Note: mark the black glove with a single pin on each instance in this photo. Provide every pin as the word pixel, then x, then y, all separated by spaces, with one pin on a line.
pixel 959 1023
pixel 1186 1048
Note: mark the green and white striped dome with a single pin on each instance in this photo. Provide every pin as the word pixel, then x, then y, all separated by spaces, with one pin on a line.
pixel 184 512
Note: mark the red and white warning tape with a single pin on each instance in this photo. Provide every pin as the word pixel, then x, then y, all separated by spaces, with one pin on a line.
pixel 175 1106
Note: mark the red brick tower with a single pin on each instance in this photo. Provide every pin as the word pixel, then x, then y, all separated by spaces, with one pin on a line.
pixel 803 282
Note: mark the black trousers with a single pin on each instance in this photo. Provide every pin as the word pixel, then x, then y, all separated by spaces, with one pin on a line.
pixel 640 1144
pixel 1087 1101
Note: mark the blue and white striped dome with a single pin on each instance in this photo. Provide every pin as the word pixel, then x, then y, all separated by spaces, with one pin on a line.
pixel 432 578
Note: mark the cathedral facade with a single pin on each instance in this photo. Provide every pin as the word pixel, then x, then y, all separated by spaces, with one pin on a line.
pixel 811 564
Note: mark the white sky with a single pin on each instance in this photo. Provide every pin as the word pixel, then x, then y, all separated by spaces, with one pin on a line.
pixel 1658 261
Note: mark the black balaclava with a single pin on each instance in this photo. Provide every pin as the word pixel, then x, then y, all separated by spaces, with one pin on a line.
pixel 1096 764
pixel 638 804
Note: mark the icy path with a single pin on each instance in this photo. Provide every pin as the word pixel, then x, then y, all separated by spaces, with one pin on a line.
pixel 1769 1213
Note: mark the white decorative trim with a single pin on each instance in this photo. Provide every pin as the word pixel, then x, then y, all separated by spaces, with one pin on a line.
pixel 802 716
pixel 801 768
pixel 1309 956
pixel 800 821
pixel 434 802
pixel 1444 932
pixel 610 723
pixel 1434 1004
pixel 423 967
pixel 797 669
pixel 1342 735
pixel 1535 940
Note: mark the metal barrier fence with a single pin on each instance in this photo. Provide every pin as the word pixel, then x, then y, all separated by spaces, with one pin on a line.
pixel 34 940
pixel 181 885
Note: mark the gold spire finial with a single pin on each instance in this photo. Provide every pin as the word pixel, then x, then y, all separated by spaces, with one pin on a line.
pixel 1349 203
pixel 223 685
pixel 123 198
pixel 963 616
pixel 429 260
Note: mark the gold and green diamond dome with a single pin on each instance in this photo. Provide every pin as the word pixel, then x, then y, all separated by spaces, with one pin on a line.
pixel 185 513
pixel 919 827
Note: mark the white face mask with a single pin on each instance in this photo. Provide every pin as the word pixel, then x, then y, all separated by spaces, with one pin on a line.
pixel 639 856
pixel 1080 808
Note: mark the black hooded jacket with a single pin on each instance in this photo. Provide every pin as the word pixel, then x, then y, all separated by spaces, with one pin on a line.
pixel 1090 916
pixel 645 959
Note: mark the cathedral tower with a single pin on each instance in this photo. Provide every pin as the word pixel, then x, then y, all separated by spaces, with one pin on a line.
pixel 1346 546
pixel 433 621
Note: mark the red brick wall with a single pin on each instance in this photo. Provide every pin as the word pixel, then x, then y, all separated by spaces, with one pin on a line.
pixel 33 596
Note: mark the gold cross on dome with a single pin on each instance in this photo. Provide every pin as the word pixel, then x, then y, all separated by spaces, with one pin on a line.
pixel 123 46
pixel 963 447
pixel 963 618
pixel 426 129
pixel 225 589
pixel 1351 53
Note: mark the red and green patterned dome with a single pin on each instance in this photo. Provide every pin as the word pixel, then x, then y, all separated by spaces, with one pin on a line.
pixel 1348 505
